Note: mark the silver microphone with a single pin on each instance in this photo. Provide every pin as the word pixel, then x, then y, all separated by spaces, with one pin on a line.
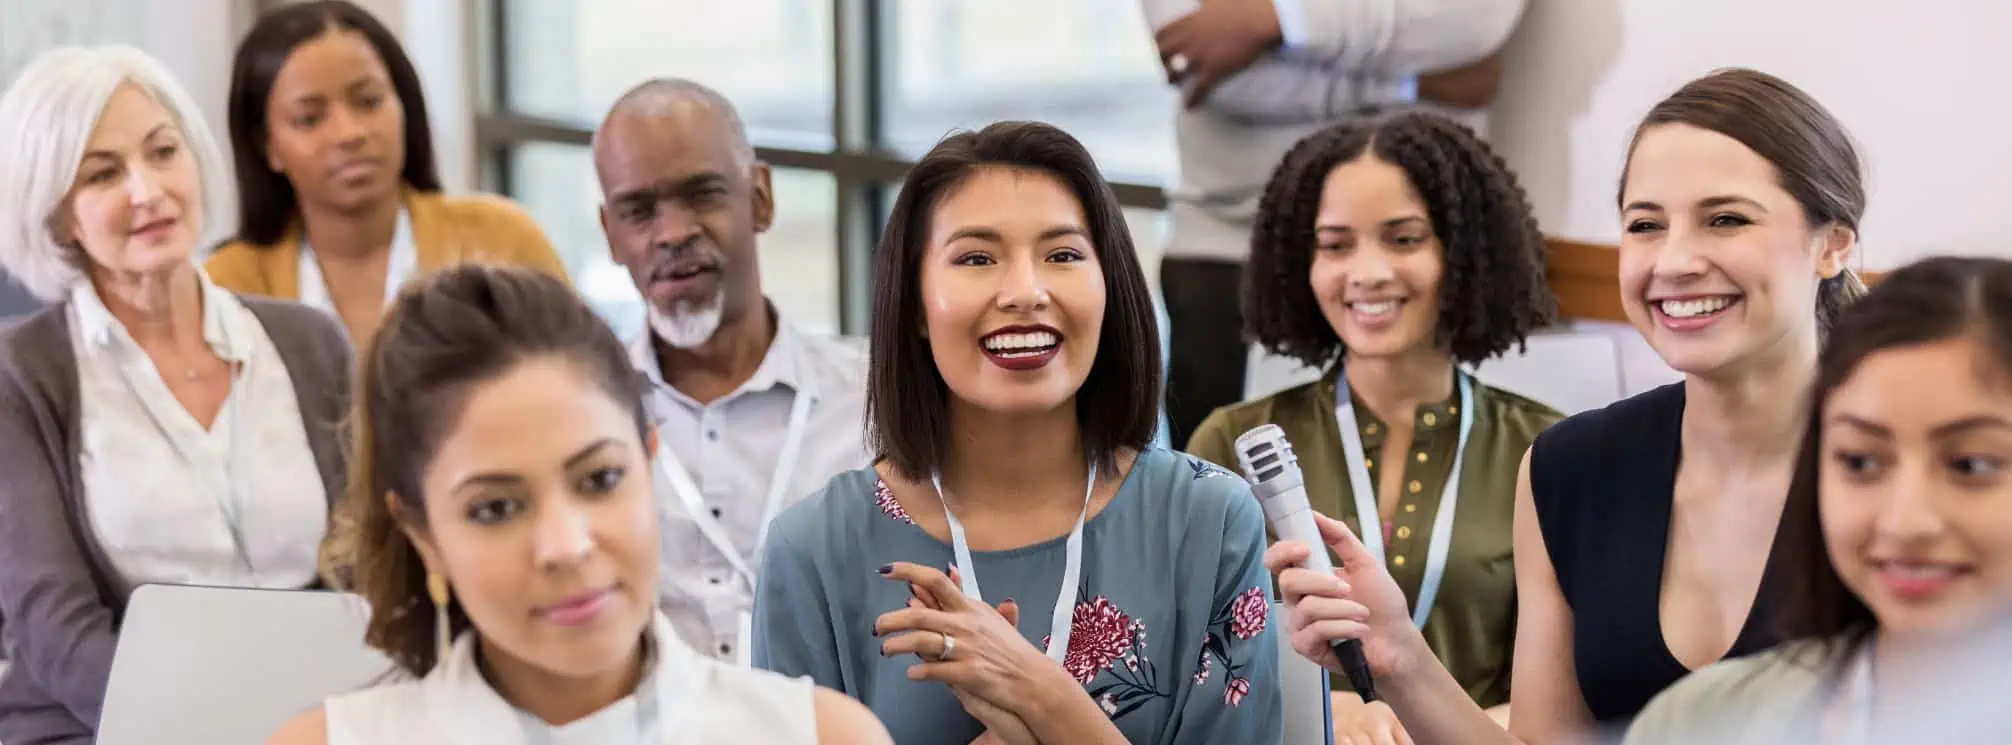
pixel 1273 470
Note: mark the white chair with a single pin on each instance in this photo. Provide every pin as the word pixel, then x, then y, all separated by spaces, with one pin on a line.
pixel 1304 686
pixel 228 666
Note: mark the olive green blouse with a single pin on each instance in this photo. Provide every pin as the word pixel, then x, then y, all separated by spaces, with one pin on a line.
pixel 1473 623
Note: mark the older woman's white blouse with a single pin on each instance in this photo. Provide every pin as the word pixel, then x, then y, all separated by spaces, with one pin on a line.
pixel 240 503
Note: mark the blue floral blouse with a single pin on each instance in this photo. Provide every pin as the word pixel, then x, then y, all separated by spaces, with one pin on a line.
pixel 1172 633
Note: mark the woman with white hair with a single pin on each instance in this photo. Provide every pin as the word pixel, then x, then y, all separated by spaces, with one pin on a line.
pixel 153 428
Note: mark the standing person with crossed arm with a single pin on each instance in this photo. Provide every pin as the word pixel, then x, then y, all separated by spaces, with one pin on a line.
pixel 1643 530
pixel 1256 76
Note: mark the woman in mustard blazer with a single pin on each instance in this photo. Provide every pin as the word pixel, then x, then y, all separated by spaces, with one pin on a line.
pixel 339 198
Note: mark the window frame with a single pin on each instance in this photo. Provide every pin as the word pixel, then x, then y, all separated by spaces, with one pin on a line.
pixel 866 170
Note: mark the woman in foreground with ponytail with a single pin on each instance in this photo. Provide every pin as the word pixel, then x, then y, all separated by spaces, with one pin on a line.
pixel 500 523
pixel 1642 531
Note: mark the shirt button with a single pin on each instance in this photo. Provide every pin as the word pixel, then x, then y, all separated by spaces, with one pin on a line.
pixel 1411 508
pixel 1369 429
pixel 1404 532
pixel 726 649
pixel 1368 462
pixel 1414 487
pixel 1421 456
pixel 716 580
pixel 1397 560
pixel 717 512
pixel 713 434
pixel 1430 419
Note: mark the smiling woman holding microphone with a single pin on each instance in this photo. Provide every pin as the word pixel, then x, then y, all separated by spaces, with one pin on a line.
pixel 1643 530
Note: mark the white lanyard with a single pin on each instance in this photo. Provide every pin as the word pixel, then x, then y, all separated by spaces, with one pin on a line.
pixel 403 262
pixel 778 488
pixel 1365 492
pixel 1072 567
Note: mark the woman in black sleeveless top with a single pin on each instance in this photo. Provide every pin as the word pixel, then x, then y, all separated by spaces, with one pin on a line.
pixel 1643 529
pixel 1602 483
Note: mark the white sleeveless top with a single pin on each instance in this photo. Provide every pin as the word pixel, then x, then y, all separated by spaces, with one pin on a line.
pixel 696 700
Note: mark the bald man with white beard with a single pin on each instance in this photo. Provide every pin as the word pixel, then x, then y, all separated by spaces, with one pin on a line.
pixel 751 414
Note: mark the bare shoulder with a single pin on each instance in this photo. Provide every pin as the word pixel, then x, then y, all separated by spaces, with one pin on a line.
pixel 844 721
pixel 309 728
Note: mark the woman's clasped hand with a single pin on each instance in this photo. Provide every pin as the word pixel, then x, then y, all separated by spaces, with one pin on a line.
pixel 974 648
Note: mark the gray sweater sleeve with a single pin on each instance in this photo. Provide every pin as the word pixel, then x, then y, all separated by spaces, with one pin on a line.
pixel 60 629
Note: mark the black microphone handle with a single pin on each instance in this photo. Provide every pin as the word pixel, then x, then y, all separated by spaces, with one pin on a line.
pixel 1357 668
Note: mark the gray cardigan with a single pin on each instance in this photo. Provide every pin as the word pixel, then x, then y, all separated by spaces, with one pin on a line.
pixel 59 595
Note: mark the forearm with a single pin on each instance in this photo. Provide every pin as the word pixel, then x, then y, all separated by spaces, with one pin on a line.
pixel 1278 91
pixel 1437 711
pixel 1500 713
pixel 1066 714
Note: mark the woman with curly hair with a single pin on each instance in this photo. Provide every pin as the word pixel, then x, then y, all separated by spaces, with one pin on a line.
pixel 1393 252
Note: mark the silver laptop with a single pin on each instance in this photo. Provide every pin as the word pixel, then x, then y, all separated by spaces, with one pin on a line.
pixel 228 666
pixel 1305 687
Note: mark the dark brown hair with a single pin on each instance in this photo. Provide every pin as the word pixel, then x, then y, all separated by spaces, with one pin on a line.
pixel 1812 154
pixel 444 335
pixel 1930 301
pixel 1493 293
pixel 1118 405
pixel 266 199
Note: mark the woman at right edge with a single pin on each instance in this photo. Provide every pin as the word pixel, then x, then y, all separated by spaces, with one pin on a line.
pixel 1643 530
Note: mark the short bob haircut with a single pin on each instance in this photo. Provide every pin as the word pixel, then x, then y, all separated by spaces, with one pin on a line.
pixel 266 199
pixel 1493 293
pixel 46 121
pixel 1118 405
pixel 1928 301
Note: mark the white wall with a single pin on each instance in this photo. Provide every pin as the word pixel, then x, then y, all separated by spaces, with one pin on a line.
pixel 1919 84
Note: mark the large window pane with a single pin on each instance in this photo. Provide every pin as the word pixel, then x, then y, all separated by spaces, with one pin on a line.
pixel 1087 66
pixel 570 59
pixel 798 255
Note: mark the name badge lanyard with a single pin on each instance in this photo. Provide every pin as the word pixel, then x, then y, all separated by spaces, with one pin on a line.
pixel 1365 493
pixel 778 488
pixel 1072 568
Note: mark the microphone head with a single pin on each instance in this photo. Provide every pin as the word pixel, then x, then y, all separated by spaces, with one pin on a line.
pixel 1268 461
pixel 1264 453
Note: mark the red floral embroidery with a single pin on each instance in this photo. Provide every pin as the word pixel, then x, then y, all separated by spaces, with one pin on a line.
pixel 1099 635
pixel 1235 691
pixel 889 506
pixel 1249 613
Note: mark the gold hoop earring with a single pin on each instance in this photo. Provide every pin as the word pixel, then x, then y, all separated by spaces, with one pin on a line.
pixel 436 588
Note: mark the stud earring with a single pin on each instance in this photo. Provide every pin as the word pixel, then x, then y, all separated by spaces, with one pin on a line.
pixel 436 587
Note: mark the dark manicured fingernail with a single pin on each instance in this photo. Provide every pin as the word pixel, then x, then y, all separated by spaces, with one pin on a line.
pixel 876 630
pixel 885 568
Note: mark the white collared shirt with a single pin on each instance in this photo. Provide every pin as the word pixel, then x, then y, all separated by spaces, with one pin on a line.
pixel 402 265
pixel 159 489
pixel 730 449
